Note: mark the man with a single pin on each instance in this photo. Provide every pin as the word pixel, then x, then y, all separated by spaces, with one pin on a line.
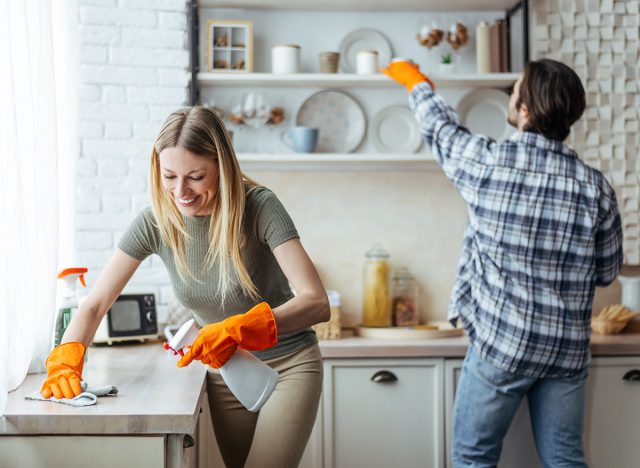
pixel 543 231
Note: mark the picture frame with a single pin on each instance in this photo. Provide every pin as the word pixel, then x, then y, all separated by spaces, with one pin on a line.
pixel 229 46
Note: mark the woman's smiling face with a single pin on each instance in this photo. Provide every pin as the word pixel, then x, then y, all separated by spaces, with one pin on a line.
pixel 191 180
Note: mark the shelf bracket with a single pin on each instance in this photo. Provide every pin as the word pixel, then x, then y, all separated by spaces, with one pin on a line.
pixel 524 6
pixel 193 38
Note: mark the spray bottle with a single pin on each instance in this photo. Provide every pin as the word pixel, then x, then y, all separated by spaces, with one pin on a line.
pixel 248 378
pixel 67 300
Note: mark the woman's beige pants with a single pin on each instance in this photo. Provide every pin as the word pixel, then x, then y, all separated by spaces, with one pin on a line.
pixel 277 435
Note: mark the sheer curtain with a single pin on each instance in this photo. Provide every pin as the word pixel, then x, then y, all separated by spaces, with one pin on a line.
pixel 36 154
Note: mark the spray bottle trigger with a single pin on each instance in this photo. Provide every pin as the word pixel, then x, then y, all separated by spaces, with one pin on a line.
pixel 82 282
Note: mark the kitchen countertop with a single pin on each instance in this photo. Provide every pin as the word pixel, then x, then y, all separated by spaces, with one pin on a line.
pixel 156 397
pixel 626 344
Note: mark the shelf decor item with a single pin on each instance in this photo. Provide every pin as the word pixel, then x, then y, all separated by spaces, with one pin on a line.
pixel 363 39
pixel 229 46
pixel 339 118
pixel 447 65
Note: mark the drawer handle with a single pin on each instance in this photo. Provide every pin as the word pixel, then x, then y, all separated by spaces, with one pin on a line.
pixel 188 441
pixel 384 376
pixel 632 376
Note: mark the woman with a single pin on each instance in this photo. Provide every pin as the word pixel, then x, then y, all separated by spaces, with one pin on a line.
pixel 228 244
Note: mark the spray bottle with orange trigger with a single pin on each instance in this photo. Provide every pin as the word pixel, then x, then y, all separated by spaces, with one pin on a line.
pixel 67 300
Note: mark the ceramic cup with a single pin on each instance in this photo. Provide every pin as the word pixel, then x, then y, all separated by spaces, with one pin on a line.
pixel 329 62
pixel 301 139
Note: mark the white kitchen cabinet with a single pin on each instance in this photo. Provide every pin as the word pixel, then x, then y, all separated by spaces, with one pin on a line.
pixel 518 449
pixel 383 412
pixel 612 417
pixel 612 422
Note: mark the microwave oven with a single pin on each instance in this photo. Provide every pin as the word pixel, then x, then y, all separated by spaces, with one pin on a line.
pixel 131 317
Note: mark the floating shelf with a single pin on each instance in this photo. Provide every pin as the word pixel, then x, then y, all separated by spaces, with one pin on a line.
pixel 340 80
pixel 336 162
pixel 363 5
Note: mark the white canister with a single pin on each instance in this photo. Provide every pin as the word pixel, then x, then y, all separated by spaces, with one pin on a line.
pixel 367 62
pixel 285 58
pixel 483 47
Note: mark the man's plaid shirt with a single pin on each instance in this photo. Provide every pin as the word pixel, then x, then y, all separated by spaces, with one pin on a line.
pixel 543 230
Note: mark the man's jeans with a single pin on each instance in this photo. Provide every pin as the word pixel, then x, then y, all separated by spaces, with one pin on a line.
pixel 487 399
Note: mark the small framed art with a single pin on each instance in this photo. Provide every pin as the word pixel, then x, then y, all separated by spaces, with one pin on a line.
pixel 229 46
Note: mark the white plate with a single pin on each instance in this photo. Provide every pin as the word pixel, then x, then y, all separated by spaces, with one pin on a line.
pixel 485 111
pixel 394 130
pixel 363 39
pixel 339 119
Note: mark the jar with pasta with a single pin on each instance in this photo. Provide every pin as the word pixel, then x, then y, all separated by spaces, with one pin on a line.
pixel 376 310
pixel 404 302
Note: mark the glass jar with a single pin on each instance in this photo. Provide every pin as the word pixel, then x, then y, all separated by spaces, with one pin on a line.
pixel 376 309
pixel 404 303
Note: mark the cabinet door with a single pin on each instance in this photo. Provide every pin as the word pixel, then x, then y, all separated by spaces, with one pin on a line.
pixel 383 412
pixel 612 423
pixel 518 448
pixel 312 456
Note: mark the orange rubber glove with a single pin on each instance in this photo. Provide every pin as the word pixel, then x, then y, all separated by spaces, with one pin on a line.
pixel 407 74
pixel 64 371
pixel 216 343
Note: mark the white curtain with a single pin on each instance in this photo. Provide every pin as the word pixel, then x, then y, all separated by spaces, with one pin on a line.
pixel 36 154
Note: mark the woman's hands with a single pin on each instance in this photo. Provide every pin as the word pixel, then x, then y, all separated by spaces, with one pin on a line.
pixel 406 73
pixel 254 330
pixel 64 369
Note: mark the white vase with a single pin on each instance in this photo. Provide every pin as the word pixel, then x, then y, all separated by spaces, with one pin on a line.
pixel 447 68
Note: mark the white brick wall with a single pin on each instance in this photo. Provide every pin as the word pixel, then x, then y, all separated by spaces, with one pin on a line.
pixel 133 72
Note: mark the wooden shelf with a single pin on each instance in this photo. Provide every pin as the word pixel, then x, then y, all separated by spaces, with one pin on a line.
pixel 363 5
pixel 336 162
pixel 344 80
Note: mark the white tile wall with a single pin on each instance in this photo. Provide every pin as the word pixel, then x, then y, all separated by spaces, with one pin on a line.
pixel 599 39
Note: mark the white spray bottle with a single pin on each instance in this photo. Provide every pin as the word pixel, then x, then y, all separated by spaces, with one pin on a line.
pixel 248 378
pixel 67 300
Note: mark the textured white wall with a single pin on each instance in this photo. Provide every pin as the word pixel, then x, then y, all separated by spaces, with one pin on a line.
pixel 599 39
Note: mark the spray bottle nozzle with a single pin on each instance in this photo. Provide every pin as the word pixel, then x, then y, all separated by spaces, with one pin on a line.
pixel 78 271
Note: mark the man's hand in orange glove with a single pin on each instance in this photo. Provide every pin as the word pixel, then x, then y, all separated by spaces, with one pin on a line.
pixel 216 343
pixel 64 369
pixel 407 74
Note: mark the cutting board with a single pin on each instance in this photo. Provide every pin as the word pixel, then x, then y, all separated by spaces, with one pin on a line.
pixel 444 330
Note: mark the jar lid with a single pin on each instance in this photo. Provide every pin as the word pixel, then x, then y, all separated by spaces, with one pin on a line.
pixel 403 273
pixel 377 251
pixel 286 45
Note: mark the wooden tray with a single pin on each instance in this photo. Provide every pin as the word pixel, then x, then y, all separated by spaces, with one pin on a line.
pixel 444 330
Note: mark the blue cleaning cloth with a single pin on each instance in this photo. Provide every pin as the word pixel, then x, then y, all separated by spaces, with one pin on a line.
pixel 89 396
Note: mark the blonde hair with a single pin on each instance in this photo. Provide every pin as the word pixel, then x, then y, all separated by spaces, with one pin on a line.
pixel 201 131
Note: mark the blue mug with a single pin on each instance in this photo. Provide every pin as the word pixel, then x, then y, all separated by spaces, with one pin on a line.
pixel 301 139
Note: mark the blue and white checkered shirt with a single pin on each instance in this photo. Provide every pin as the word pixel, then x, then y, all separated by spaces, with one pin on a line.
pixel 543 230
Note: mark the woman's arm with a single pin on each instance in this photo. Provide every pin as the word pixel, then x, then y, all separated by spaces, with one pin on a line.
pixel 311 305
pixel 106 289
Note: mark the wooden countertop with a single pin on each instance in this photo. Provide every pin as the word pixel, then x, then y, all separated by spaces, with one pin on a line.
pixel 155 397
pixel 626 344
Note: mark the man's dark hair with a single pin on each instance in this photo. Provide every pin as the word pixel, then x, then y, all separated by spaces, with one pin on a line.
pixel 554 97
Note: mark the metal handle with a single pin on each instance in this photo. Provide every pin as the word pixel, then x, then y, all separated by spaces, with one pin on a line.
pixel 384 376
pixel 188 441
pixel 632 376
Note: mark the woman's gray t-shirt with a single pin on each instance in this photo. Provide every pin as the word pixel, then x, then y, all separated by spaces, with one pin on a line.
pixel 267 225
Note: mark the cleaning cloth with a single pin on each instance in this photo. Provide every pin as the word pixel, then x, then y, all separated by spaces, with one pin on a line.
pixel 89 396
